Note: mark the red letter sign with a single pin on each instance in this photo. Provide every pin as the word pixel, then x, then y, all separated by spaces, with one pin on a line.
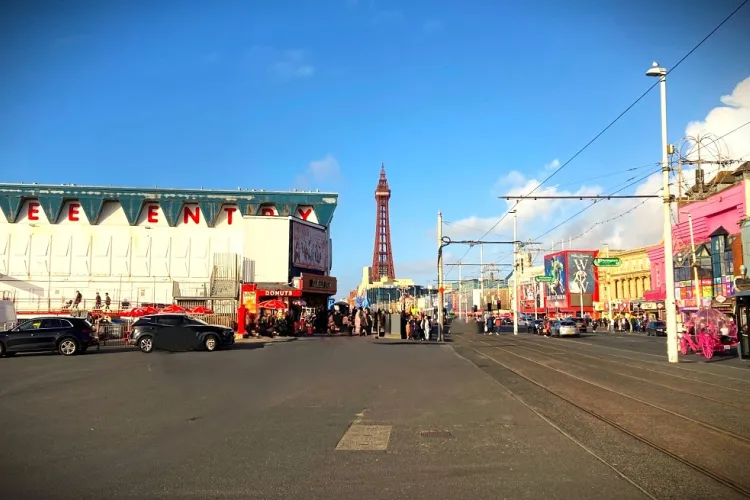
pixel 304 213
pixel 230 212
pixel 33 213
pixel 73 212
pixel 189 214
pixel 266 211
pixel 153 214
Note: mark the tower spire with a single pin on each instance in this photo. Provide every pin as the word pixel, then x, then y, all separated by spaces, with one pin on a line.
pixel 382 256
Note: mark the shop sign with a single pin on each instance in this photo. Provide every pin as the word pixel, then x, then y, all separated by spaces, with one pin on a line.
pixel 281 293
pixel 543 279
pixel 648 306
pixel 720 299
pixel 607 262
pixel 316 283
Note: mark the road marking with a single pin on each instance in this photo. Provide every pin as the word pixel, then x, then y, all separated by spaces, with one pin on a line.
pixel 365 438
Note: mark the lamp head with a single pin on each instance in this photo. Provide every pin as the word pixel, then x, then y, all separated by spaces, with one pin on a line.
pixel 656 70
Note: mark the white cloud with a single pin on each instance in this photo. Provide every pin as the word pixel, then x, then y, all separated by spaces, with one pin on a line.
pixel 623 223
pixel 293 64
pixel 323 171
pixel 722 120
pixel 422 270
pixel 553 165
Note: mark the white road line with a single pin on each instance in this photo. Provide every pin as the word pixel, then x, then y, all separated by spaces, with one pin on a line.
pixel 365 438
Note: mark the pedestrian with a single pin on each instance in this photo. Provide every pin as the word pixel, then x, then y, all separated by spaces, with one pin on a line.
pixel 107 302
pixel 98 302
pixel 77 301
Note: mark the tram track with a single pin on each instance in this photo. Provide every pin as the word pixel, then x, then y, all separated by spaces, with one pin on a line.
pixel 674 441
pixel 660 358
pixel 642 401
pixel 741 386
pixel 622 370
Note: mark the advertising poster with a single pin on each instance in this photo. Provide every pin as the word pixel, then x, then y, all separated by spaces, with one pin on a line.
pixel 309 247
pixel 250 301
pixel 581 273
pixel 554 265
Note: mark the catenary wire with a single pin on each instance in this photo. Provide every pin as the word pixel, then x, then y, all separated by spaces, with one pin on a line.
pixel 613 122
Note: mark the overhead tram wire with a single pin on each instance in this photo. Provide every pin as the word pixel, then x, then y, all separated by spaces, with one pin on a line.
pixel 613 122
pixel 632 181
pixel 617 188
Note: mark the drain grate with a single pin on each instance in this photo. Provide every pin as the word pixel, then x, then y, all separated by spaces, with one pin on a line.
pixel 436 434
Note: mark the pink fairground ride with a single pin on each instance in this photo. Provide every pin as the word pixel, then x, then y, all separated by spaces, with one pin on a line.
pixel 708 331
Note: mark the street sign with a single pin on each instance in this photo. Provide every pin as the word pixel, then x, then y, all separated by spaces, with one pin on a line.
pixel 544 279
pixel 607 262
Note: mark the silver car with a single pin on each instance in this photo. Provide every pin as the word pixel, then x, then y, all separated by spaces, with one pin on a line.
pixel 564 329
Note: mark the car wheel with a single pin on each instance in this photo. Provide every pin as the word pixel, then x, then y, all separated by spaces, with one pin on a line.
pixel 211 343
pixel 2 349
pixel 146 344
pixel 68 347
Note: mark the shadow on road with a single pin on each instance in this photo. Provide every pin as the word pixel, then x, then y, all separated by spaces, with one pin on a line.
pixel 410 342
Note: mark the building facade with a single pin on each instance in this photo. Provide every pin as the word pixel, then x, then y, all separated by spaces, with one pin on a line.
pixel 155 246
pixel 623 288
pixel 705 278
pixel 574 287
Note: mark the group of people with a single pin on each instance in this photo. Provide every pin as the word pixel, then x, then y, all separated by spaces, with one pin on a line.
pixel 288 322
pixel 359 321
pixel 99 303
pixel 417 326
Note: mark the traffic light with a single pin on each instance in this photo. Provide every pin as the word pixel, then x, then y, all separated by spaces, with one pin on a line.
pixel 499 305
pixel 474 308
pixel 488 305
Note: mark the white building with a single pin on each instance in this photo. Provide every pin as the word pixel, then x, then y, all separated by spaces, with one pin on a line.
pixel 155 245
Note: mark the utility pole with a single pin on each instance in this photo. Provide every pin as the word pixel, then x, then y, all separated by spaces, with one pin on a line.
pixel 696 291
pixel 441 290
pixel 609 296
pixel 481 278
pixel 515 273
pixel 460 292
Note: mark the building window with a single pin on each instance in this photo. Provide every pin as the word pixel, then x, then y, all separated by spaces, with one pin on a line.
pixel 718 256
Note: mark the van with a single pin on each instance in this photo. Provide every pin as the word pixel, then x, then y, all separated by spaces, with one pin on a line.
pixel 7 315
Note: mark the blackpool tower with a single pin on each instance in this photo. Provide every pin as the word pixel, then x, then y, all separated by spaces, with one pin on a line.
pixel 382 257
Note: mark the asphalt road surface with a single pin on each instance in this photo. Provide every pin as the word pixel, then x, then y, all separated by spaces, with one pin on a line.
pixel 342 418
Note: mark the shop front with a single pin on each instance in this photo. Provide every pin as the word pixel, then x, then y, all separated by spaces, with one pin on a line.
pixel 315 289
pixel 254 295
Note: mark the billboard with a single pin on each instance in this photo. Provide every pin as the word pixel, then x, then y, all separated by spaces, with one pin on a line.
pixel 555 266
pixel 309 247
pixel 581 279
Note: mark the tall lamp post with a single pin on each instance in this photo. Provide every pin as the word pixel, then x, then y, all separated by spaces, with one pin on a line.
pixel 669 304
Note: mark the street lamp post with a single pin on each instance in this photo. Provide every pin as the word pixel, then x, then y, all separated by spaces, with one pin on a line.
pixel 515 273
pixel 608 286
pixel 669 303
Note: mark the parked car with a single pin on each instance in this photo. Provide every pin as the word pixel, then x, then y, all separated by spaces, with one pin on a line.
pixel 581 325
pixel 535 326
pixel 564 329
pixel 64 334
pixel 201 334
pixel 656 329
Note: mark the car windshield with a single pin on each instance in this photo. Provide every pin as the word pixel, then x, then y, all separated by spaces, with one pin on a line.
pixel 197 321
pixel 567 323
pixel 658 324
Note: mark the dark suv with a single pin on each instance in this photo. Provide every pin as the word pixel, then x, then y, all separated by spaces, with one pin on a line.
pixel 64 334
pixel 200 333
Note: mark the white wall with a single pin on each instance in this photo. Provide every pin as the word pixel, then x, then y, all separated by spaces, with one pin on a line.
pixel 42 261
pixel 266 247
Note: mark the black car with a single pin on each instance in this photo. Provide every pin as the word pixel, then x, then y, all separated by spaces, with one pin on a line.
pixel 656 329
pixel 197 333
pixel 64 334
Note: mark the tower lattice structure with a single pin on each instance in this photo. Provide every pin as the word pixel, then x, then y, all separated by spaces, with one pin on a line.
pixel 382 256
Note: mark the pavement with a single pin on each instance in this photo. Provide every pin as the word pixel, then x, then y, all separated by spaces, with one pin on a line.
pixel 352 417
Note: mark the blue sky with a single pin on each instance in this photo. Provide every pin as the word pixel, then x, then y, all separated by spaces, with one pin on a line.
pixel 461 101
